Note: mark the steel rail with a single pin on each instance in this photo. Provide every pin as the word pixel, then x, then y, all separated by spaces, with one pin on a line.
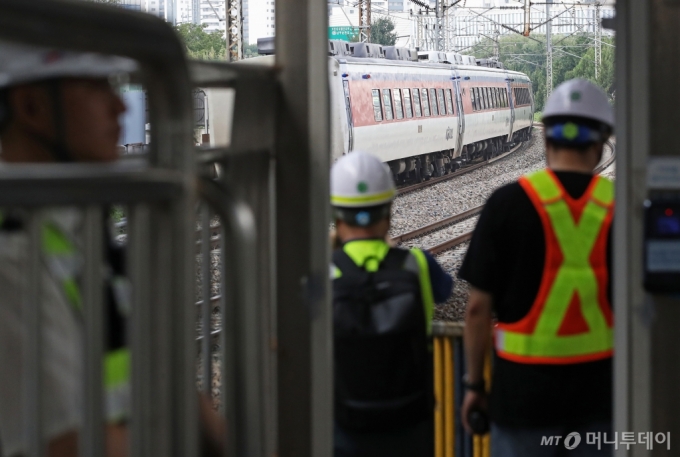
pixel 437 225
pixel 460 239
pixel 453 242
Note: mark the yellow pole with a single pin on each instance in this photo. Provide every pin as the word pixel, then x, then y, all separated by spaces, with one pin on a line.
pixel 448 398
pixel 486 440
pixel 438 394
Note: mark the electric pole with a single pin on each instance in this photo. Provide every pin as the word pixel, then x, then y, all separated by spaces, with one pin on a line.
pixel 234 33
pixel 365 20
pixel 549 51
pixel 497 41
pixel 439 24
pixel 527 17
pixel 598 40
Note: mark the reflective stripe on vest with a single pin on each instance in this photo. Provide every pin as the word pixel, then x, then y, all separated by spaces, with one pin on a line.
pixel 570 320
pixel 371 252
pixel 63 262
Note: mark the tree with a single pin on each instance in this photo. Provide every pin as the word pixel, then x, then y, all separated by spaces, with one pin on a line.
pixel 201 44
pixel 355 38
pixel 250 50
pixel 573 57
pixel 382 32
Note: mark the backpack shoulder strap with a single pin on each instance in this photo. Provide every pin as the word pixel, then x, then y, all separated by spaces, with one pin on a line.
pixel 395 259
pixel 344 262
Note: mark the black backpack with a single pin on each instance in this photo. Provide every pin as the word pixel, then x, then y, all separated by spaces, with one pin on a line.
pixel 383 366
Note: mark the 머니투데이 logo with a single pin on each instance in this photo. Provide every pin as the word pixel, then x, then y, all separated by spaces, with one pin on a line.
pixel 572 440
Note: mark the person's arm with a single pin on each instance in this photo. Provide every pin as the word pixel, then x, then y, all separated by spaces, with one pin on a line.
pixel 476 338
pixel 213 436
pixel 66 445
pixel 213 429
pixel 442 282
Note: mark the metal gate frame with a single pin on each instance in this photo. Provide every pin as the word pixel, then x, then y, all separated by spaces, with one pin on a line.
pixel 292 415
pixel 159 195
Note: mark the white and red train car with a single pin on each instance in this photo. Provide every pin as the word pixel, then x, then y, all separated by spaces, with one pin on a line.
pixel 422 118
pixel 426 118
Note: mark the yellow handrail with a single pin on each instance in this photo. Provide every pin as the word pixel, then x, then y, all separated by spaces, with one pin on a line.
pixel 449 436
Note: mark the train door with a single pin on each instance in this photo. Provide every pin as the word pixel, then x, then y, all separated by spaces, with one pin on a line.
pixel 533 107
pixel 461 114
pixel 509 80
pixel 348 109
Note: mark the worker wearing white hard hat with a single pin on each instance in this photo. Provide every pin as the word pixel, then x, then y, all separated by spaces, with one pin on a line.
pixel 578 114
pixel 60 106
pixel 539 262
pixel 383 301
pixel 57 105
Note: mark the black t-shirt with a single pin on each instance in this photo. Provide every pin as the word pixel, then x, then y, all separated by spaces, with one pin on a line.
pixel 505 258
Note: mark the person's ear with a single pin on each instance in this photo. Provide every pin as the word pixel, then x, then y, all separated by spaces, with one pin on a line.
pixel 31 108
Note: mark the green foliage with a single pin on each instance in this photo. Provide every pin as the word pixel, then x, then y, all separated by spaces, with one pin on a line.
pixel 573 57
pixel 250 50
pixel 382 32
pixel 354 38
pixel 201 44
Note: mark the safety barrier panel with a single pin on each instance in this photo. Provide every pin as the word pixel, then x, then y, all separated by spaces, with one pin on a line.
pixel 270 194
pixel 451 439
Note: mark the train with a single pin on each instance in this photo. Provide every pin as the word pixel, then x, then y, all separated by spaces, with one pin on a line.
pixel 423 113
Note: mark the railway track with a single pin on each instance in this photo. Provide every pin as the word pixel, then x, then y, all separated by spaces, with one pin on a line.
pixel 451 220
pixel 462 171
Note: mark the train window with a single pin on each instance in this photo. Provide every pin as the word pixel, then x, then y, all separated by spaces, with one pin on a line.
pixel 377 109
pixel 489 94
pixel 473 98
pixel 407 103
pixel 426 104
pixel 416 102
pixel 398 107
pixel 495 97
pixel 504 97
pixel 441 102
pixel 485 105
pixel 449 101
pixel 387 103
pixel 433 102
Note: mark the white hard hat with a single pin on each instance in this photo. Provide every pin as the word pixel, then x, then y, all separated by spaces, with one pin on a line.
pixel 21 63
pixel 580 98
pixel 360 180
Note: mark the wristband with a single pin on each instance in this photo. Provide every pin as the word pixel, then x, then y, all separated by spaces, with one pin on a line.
pixel 479 386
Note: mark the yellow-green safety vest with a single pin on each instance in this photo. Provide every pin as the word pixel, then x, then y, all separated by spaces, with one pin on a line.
pixel 570 320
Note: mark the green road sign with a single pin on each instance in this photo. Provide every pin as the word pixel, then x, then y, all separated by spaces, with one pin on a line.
pixel 346 33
